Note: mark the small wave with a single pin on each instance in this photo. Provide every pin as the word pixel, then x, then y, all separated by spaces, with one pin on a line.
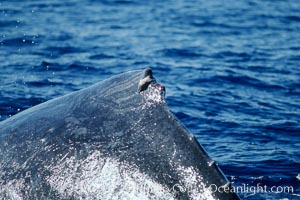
pixel 82 67
pixel 217 25
pixel 293 18
pixel 50 66
pixel 101 56
pixel 9 23
pixel 288 128
pixel 229 55
pixel 20 41
pixel 119 2
pixel 248 81
pixel 183 53
pixel 56 50
pixel 45 83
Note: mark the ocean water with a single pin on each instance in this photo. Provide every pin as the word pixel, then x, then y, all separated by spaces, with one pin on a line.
pixel 231 69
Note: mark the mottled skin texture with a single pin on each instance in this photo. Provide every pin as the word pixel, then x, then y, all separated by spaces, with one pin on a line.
pixel 112 117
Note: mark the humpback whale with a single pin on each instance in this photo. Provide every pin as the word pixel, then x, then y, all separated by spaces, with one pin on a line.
pixel 116 139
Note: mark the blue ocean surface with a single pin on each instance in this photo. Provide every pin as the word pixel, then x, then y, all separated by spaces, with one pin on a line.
pixel 231 69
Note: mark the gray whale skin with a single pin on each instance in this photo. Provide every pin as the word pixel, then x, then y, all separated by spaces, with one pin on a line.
pixel 107 141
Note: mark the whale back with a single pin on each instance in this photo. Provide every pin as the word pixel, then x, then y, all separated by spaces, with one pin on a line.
pixel 105 142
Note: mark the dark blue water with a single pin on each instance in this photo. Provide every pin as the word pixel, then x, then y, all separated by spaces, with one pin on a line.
pixel 231 68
